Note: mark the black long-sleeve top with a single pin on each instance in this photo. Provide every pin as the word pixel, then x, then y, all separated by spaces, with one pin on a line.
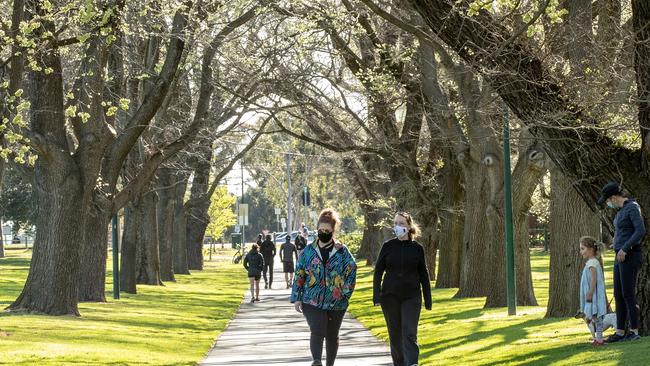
pixel 268 250
pixel 406 271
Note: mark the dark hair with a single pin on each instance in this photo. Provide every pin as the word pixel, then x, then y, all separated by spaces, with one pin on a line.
pixel 288 238
pixel 329 216
pixel 415 230
pixel 254 248
pixel 259 236
pixel 268 237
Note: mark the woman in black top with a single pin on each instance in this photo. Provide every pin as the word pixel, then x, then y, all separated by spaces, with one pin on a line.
pixel 400 294
pixel 254 262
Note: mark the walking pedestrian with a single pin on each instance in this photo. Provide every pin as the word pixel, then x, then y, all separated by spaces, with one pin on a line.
pixel 268 252
pixel 629 230
pixel 287 253
pixel 254 262
pixel 324 282
pixel 400 291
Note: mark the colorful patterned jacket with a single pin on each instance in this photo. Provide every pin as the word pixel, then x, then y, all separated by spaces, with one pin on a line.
pixel 327 287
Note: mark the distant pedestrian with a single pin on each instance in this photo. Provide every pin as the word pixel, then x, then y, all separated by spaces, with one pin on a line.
pixel 401 290
pixel 324 282
pixel 260 238
pixel 268 252
pixel 254 262
pixel 593 302
pixel 301 240
pixel 629 230
pixel 287 253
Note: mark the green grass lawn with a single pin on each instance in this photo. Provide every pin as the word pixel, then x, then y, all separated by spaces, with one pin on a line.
pixel 460 332
pixel 171 325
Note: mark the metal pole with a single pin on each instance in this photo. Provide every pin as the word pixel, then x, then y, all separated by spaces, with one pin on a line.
pixel 243 237
pixel 510 250
pixel 287 157
pixel 116 259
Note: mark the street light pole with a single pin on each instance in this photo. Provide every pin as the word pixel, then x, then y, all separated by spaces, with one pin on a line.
pixel 287 158
pixel 507 182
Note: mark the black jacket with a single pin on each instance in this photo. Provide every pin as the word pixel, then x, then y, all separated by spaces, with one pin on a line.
pixel 267 249
pixel 406 272
pixel 254 263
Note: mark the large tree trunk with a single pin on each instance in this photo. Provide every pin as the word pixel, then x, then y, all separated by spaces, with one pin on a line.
pixel 181 264
pixel 147 256
pixel 52 285
pixel 197 220
pixel 452 221
pixel 94 251
pixel 569 220
pixel 374 234
pixel 2 244
pixel 429 239
pixel 165 215
pixel 197 223
pixel 130 234
pixel 476 236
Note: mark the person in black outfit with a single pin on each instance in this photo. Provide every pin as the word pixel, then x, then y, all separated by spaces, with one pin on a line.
pixel 401 291
pixel 268 252
pixel 254 262
pixel 301 241
pixel 260 238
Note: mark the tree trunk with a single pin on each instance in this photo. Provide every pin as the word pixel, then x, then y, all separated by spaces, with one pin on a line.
pixel 197 220
pixel 476 236
pixel 147 256
pixel 452 221
pixel 429 240
pixel 165 215
pixel 52 285
pixel 181 264
pixel 130 236
pixel 94 251
pixel 569 220
pixel 374 235
pixel 197 223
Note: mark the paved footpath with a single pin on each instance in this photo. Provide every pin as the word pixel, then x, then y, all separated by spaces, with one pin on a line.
pixel 271 332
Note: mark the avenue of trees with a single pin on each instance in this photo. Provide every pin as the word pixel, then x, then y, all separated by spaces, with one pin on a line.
pixel 143 108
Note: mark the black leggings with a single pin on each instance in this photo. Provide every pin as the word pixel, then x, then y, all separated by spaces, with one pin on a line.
pixel 625 274
pixel 402 317
pixel 268 266
pixel 323 324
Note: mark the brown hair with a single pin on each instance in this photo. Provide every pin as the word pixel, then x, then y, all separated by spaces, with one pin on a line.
pixel 592 243
pixel 254 248
pixel 329 216
pixel 415 229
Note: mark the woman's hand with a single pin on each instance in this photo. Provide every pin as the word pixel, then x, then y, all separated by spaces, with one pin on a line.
pixel 377 304
pixel 620 256
pixel 590 296
pixel 298 306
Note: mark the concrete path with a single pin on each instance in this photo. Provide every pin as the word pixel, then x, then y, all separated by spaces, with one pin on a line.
pixel 271 332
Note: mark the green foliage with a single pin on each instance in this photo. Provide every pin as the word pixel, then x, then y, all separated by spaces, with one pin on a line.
pixel 352 241
pixel 16 202
pixel 220 212
pixel 173 324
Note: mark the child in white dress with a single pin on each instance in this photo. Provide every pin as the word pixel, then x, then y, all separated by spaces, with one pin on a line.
pixel 592 286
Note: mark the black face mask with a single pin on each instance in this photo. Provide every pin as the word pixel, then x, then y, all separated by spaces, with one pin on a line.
pixel 324 237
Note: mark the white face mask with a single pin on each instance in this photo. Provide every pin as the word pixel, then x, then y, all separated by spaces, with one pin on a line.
pixel 400 230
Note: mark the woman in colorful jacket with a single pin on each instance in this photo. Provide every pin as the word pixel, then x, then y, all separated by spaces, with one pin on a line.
pixel 323 284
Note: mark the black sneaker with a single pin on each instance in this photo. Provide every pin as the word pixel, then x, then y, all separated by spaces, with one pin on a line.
pixel 316 363
pixel 631 337
pixel 614 338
